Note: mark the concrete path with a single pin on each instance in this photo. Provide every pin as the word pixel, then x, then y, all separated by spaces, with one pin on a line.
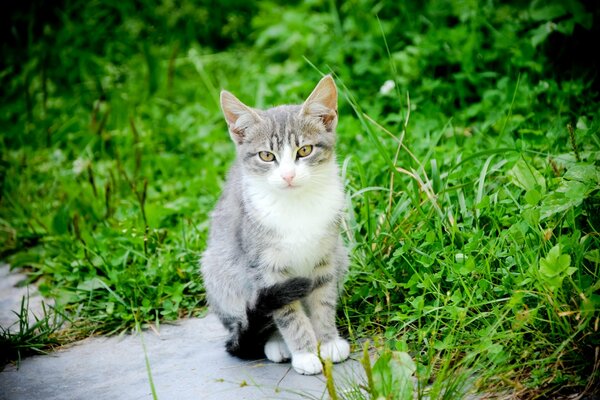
pixel 186 360
pixel 12 292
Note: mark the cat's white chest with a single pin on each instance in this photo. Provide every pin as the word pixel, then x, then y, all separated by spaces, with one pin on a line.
pixel 303 238
pixel 303 227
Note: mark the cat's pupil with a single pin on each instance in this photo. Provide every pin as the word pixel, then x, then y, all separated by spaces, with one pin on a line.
pixel 266 156
pixel 302 152
pixel 305 150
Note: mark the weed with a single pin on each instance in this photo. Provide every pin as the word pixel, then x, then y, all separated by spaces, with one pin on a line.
pixel 30 336
pixel 472 210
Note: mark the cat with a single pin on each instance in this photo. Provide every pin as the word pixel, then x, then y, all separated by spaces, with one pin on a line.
pixel 275 261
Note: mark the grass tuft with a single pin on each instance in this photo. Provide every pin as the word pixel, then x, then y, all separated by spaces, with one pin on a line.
pixel 473 220
pixel 33 334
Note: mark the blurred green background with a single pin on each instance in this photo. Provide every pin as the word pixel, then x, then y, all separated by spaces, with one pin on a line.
pixel 468 140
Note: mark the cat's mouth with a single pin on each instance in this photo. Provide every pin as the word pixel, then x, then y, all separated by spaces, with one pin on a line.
pixel 290 186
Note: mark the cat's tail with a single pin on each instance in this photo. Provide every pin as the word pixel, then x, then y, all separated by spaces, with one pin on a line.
pixel 281 294
pixel 248 342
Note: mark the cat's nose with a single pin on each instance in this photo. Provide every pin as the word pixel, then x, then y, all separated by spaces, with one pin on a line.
pixel 288 177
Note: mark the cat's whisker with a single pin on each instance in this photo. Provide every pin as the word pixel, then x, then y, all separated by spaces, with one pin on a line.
pixel 275 233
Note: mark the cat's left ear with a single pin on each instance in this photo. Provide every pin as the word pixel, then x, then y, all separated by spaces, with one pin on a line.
pixel 322 103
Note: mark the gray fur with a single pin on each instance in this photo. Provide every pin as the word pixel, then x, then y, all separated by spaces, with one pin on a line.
pixel 257 224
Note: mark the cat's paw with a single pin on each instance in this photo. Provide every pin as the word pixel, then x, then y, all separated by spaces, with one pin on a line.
pixel 306 363
pixel 336 350
pixel 276 350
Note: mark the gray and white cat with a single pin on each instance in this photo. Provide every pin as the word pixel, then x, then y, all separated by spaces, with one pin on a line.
pixel 275 261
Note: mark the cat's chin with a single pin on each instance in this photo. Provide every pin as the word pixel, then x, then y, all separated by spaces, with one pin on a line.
pixel 291 187
pixel 287 188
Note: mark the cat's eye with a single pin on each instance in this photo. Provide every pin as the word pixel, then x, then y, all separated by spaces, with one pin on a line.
pixel 305 150
pixel 266 156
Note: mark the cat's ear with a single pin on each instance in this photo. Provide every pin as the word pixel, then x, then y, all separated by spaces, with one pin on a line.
pixel 322 103
pixel 239 116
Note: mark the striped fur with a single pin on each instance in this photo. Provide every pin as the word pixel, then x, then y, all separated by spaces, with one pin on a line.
pixel 275 262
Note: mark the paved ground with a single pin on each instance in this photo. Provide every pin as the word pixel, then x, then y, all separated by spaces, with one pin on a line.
pixel 11 295
pixel 187 361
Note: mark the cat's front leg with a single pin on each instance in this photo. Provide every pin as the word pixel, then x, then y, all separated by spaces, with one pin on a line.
pixel 296 329
pixel 276 350
pixel 321 304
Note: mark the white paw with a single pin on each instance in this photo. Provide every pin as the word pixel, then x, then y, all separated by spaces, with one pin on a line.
pixel 306 363
pixel 276 350
pixel 336 350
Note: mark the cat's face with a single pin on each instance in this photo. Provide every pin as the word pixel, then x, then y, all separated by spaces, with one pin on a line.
pixel 287 147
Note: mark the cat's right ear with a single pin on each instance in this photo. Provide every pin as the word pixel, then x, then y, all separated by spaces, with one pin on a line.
pixel 239 116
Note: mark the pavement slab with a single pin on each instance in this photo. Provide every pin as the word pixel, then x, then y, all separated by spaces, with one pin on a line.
pixel 12 292
pixel 187 360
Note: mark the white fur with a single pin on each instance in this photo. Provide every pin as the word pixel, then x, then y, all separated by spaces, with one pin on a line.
pixel 306 363
pixel 287 166
pixel 336 350
pixel 303 174
pixel 276 350
pixel 301 216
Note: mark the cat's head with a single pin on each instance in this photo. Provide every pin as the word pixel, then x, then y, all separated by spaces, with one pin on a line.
pixel 286 147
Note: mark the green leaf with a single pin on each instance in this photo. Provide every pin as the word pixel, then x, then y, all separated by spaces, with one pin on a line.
pixel 590 305
pixel 465 267
pixel 566 27
pixel 60 222
pixel 392 374
pixel 582 123
pixel 554 263
pixel 541 33
pixel 526 177
pixel 593 256
pixel 532 197
pixel 94 283
pixel 583 173
pixel 570 193
pixel 531 216
pixel 418 303
pixel 548 12
pixel 555 267
pixel 574 190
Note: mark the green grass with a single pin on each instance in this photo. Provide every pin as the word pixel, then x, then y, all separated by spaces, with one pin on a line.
pixel 33 334
pixel 473 184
